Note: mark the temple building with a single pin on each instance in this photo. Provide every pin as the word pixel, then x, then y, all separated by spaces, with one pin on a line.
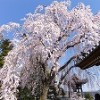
pixel 89 60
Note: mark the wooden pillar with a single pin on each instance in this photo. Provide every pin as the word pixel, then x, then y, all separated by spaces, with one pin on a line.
pixel 81 91
pixel 69 89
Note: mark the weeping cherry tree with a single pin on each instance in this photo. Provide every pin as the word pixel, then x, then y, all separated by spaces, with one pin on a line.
pixel 41 41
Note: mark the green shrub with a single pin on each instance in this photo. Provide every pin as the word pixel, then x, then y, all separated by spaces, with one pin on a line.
pixel 88 96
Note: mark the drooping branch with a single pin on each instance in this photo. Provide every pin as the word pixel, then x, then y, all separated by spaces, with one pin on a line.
pixel 63 77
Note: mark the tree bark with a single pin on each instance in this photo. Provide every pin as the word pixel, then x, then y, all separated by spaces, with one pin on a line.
pixel 44 94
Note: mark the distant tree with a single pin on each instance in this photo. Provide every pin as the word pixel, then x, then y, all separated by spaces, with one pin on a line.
pixel 41 41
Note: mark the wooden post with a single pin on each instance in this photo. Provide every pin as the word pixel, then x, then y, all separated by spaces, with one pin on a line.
pixel 69 89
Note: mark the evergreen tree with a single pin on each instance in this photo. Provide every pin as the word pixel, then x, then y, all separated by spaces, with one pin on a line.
pixel 5 47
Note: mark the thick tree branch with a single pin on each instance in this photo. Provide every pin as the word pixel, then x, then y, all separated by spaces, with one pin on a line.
pixel 52 74
pixel 73 42
pixel 70 45
pixel 66 64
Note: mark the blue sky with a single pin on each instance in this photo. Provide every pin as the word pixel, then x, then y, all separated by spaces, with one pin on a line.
pixel 14 10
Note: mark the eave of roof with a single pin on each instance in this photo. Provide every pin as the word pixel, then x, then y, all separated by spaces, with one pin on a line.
pixel 92 59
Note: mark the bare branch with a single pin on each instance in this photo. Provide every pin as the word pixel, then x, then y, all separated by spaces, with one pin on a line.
pixel 70 45
pixel 66 64
pixel 73 42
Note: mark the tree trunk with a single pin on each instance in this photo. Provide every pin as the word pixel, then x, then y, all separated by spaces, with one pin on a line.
pixel 45 92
